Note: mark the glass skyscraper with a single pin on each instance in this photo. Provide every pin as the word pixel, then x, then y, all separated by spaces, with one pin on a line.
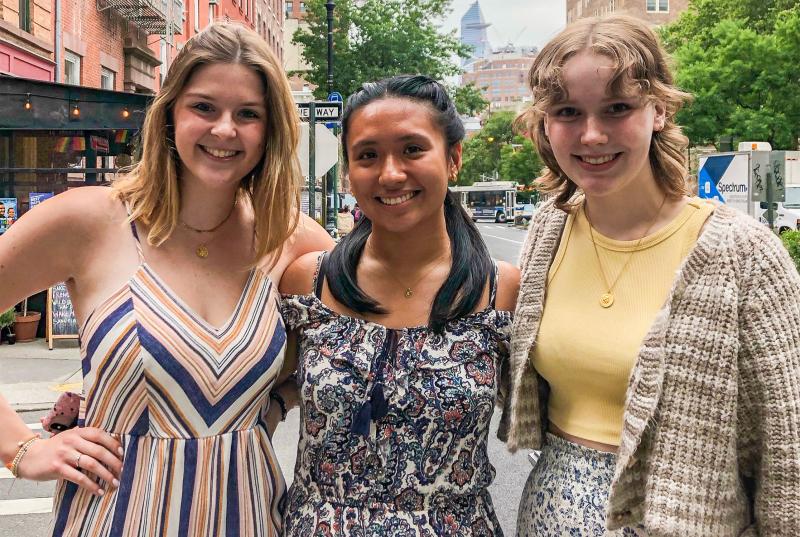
pixel 473 33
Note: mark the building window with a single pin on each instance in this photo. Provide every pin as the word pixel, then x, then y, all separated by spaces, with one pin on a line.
pixel 72 68
pixel 196 15
pixel 288 9
pixel 302 7
pixel 658 6
pixel 25 15
pixel 106 78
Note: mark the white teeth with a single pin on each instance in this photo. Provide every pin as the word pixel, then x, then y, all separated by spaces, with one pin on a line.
pixel 395 201
pixel 598 160
pixel 220 153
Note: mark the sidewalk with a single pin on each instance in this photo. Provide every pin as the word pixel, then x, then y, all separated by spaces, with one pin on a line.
pixel 32 377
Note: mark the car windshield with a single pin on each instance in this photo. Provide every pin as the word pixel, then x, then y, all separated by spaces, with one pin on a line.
pixel 792 197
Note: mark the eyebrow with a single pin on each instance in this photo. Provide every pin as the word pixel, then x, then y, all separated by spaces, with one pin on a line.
pixel 198 95
pixel 405 138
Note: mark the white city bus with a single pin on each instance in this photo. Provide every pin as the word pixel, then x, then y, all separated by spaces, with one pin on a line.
pixel 492 200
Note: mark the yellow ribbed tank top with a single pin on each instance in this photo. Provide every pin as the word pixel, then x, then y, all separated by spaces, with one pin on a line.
pixel 586 352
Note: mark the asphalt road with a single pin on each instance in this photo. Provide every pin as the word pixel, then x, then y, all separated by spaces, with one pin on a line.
pixel 24 506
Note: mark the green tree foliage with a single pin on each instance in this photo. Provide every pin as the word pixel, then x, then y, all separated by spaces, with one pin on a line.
pixel 739 60
pixel 791 239
pixel 497 149
pixel 469 100
pixel 374 39
pixel 519 161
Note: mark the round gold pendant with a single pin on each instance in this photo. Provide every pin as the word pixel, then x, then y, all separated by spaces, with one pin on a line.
pixel 202 251
pixel 408 292
pixel 606 300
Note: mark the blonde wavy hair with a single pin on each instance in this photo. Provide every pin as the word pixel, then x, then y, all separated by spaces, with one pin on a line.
pixel 151 188
pixel 640 63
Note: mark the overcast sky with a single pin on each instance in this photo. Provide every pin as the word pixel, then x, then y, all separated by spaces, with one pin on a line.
pixel 525 22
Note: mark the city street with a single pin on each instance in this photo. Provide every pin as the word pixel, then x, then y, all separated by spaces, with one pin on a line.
pixel 32 376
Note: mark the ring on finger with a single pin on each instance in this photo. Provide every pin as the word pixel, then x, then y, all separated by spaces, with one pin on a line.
pixel 78 460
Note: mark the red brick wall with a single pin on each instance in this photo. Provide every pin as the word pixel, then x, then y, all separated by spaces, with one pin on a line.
pixel 95 36
pixel 263 16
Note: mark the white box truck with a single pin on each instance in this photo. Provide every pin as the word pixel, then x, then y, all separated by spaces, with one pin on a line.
pixel 731 178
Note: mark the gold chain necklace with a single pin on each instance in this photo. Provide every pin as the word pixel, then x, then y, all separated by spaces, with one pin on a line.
pixel 607 298
pixel 409 289
pixel 202 249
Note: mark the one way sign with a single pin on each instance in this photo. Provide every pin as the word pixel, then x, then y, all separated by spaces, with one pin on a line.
pixel 325 110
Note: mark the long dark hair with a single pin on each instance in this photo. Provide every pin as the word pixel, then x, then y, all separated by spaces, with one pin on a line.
pixel 471 264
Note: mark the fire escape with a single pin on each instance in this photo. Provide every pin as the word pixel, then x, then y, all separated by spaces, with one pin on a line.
pixel 151 17
pixel 154 17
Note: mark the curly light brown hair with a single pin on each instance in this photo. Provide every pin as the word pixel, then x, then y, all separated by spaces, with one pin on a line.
pixel 152 187
pixel 640 63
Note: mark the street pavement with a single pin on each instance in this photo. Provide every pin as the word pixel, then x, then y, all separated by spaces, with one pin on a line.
pixel 31 378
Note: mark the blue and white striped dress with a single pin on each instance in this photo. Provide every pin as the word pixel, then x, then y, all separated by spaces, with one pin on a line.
pixel 187 401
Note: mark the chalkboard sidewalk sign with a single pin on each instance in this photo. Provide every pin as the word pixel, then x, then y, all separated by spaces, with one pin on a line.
pixel 61 322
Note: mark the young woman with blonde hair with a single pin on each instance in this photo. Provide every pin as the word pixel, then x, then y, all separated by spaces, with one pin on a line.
pixel 171 276
pixel 655 349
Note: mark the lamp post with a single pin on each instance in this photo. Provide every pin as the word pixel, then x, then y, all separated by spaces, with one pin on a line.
pixel 329 5
pixel 330 182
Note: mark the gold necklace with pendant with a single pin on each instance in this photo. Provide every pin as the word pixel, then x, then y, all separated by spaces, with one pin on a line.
pixel 607 298
pixel 409 291
pixel 202 249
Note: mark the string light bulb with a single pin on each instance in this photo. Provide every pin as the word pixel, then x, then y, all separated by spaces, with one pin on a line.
pixel 76 112
pixel 126 113
pixel 28 104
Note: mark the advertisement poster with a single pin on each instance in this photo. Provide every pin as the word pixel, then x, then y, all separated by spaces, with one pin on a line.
pixel 8 213
pixel 38 197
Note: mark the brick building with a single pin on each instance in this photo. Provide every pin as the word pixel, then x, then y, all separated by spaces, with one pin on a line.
pixel 26 39
pixel 264 16
pixel 655 12
pixel 502 77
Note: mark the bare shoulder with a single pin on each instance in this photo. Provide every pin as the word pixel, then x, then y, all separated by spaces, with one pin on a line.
pixel 309 237
pixel 56 241
pixel 507 286
pixel 77 215
pixel 298 277
pixel 85 206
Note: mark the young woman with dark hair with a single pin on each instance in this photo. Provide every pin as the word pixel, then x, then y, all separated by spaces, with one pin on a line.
pixel 400 331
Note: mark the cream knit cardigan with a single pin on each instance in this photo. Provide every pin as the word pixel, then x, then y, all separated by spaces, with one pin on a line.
pixel 710 445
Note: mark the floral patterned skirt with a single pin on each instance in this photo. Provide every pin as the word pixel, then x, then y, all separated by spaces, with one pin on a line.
pixel 454 516
pixel 567 492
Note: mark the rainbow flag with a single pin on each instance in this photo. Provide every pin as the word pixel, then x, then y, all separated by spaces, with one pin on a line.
pixel 62 144
pixel 121 136
pixel 78 143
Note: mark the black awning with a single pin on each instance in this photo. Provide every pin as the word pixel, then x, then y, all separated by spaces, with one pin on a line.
pixel 35 105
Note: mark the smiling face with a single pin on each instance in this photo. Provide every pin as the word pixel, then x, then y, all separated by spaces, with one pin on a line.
pixel 220 128
pixel 602 141
pixel 399 163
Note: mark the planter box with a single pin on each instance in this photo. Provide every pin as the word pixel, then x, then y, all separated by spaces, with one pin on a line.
pixel 25 326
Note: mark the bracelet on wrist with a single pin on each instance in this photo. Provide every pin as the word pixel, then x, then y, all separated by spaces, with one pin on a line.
pixel 24 446
pixel 275 396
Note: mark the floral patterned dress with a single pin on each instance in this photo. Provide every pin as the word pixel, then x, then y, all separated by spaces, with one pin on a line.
pixel 394 424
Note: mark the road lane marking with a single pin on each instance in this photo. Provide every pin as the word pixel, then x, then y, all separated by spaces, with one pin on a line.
pixel 502 238
pixel 27 506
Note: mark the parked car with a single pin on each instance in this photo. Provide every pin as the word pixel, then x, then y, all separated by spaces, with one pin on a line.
pixel 523 213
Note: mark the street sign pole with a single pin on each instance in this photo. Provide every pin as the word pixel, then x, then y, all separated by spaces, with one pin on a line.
pixel 770 205
pixel 312 156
